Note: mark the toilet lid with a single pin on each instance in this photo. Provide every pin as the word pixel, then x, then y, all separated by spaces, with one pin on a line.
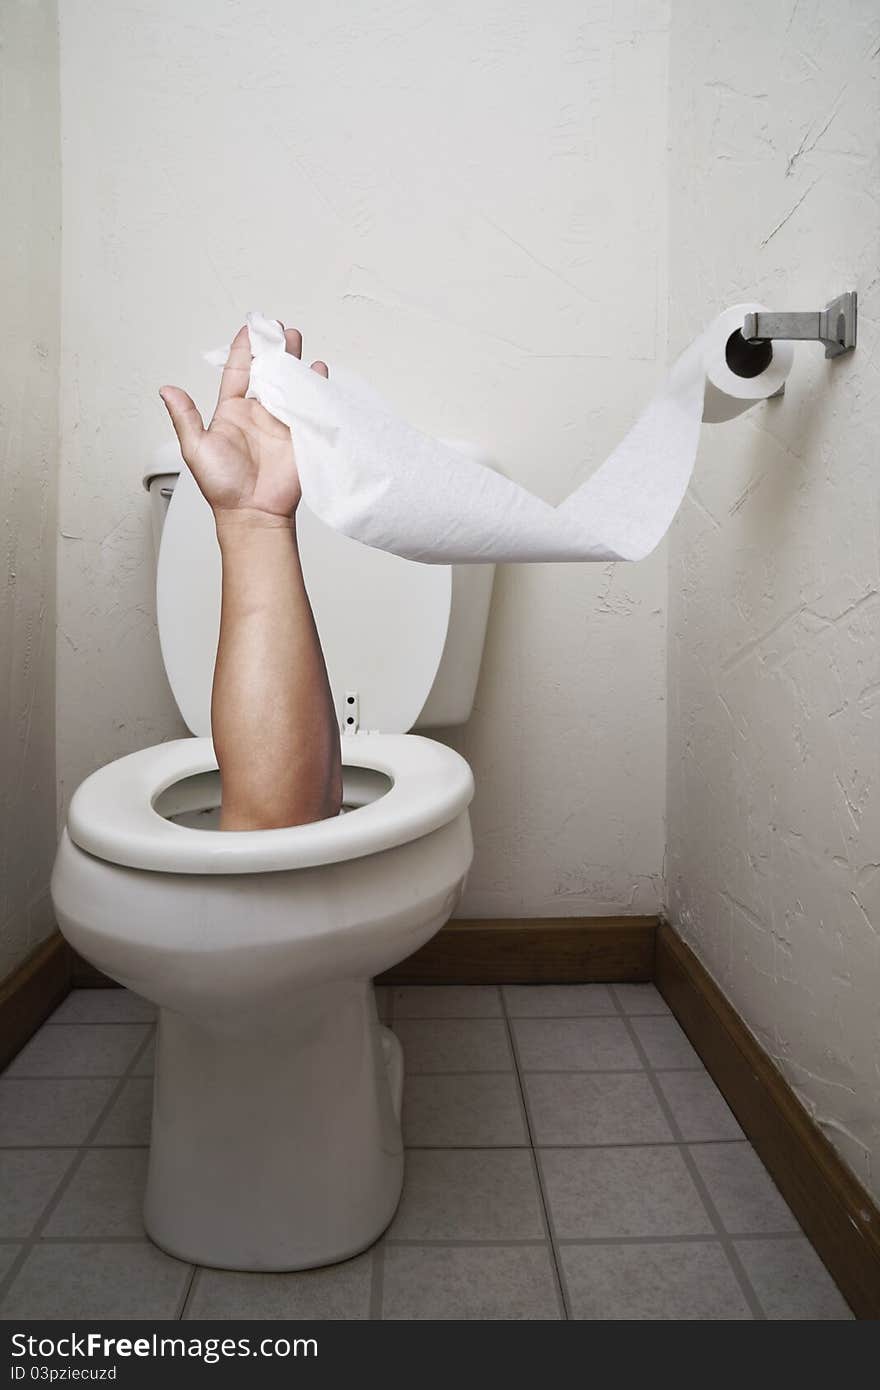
pixel 382 620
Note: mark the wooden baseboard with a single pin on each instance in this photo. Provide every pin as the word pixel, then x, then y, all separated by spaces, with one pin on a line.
pixel 529 950
pixel 833 1208
pixel 86 976
pixel 551 950
pixel 30 994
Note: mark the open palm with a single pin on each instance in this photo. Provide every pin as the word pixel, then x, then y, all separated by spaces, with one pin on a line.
pixel 244 459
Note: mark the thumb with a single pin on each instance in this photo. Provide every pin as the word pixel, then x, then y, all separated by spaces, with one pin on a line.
pixel 187 422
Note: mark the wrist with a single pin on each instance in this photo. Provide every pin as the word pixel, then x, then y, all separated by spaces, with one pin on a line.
pixel 233 522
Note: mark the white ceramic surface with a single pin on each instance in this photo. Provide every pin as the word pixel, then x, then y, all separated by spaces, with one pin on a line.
pixel 276 1139
pixel 113 813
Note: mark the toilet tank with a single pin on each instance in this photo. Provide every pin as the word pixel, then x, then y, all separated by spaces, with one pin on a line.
pixel 451 695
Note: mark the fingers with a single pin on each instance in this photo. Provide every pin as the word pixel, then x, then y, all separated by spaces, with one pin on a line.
pixel 185 418
pixel 293 341
pixel 237 372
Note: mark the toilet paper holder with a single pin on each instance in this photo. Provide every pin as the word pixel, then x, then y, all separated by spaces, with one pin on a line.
pixel 835 326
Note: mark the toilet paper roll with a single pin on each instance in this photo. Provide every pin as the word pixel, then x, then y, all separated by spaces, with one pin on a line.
pixel 373 477
pixel 728 395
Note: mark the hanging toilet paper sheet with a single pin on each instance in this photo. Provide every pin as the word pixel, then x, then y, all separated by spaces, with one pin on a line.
pixel 377 479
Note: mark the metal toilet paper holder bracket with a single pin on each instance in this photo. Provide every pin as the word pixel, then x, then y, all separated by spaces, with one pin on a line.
pixel 835 326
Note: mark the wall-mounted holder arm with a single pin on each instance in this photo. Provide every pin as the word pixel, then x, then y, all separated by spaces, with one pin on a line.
pixel 835 326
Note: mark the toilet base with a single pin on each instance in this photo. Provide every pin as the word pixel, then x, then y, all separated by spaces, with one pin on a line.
pixel 276 1141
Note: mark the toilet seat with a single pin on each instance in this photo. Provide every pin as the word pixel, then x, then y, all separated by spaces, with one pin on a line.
pixel 112 814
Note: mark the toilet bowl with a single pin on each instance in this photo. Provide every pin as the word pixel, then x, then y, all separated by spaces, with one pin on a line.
pixel 276 1138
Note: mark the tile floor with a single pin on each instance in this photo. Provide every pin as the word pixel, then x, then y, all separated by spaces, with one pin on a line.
pixel 568 1156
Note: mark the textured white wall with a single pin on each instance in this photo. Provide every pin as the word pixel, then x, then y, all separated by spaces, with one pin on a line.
pixel 466 202
pixel 774 659
pixel 29 236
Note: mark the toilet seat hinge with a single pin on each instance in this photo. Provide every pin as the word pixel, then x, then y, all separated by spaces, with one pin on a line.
pixel 351 717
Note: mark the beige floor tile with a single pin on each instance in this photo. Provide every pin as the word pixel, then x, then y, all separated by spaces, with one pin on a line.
pixel 791 1281
pixel 145 1064
pixel 469 1283
pixel 640 999
pixel 28 1178
pixel 743 1192
pixel 79 1049
pixel 340 1291
pixel 131 1116
pixel 665 1043
pixel 557 1001
pixel 574 1044
pixel 76 1282
pixel 595 1109
pixel 455 1044
pixel 608 1193
pixel 447 1001
pixel 677 1282
pixel 104 1198
pixel 469 1194
pixel 104 1006
pixel 477 1110
pixel 700 1110
pixel 50 1112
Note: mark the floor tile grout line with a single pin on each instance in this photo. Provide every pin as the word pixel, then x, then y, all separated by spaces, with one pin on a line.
pixel 726 1240
pixel 533 1071
pixel 697 1238
pixel 93 1240
pixel 660 1010
pixel 600 1071
pixel 191 1285
pixel 468 1243
pixel 607 1015
pixel 74 1076
pixel 750 1237
pixel 377 1282
pixel 55 1148
pixel 426 1148
pixel 594 1015
pixel 530 1071
pixel 76 1162
pixel 517 1081
pixel 96 1023
pixel 561 1291
pixel 440 1148
pixel 572 1144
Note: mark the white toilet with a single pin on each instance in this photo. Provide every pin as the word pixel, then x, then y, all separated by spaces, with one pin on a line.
pixel 276 1118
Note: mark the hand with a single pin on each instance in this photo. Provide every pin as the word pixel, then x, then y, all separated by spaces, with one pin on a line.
pixel 243 462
